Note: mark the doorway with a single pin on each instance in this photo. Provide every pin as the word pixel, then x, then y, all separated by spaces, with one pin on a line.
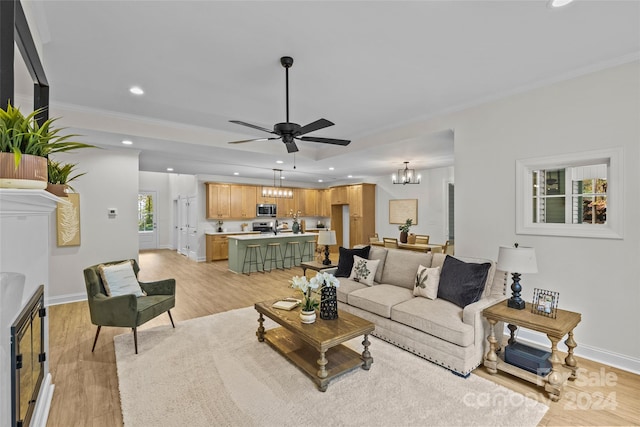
pixel 147 223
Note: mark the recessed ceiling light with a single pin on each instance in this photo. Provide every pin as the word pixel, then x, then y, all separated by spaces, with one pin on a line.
pixel 349 176
pixel 169 169
pixel 331 168
pixel 127 142
pixel 559 3
pixel 236 173
pixel 136 90
pixel 279 162
pixel 282 177
pixel 319 180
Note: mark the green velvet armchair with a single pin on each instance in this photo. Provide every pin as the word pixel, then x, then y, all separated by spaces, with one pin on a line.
pixel 127 311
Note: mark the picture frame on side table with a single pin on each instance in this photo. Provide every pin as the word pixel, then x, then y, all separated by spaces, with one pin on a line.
pixel 545 303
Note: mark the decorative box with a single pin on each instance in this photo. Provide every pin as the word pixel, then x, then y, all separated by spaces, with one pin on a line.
pixel 528 358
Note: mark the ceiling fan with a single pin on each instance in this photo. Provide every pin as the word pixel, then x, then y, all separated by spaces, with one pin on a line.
pixel 288 131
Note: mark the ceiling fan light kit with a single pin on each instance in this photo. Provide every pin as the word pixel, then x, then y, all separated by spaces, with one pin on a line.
pixel 287 131
pixel 406 176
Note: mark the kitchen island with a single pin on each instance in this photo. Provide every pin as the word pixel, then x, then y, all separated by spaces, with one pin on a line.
pixel 238 246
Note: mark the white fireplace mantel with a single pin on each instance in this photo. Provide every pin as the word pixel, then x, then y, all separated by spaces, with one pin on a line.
pixel 24 249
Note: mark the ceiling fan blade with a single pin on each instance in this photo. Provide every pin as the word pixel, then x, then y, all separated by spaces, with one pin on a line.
pixel 291 147
pixel 326 140
pixel 318 124
pixel 251 140
pixel 238 122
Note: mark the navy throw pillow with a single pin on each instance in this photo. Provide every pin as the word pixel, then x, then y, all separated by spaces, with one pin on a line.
pixel 345 262
pixel 462 283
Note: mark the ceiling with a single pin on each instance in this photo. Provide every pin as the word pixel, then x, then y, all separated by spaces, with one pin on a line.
pixel 368 66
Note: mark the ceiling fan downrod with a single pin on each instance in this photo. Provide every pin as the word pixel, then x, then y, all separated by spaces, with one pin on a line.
pixel 287 62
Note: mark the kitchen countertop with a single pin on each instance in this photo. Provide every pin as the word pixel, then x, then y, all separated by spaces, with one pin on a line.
pixel 270 236
pixel 228 233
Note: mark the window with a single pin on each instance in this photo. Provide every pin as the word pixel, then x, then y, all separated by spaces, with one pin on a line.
pixel 571 195
pixel 145 212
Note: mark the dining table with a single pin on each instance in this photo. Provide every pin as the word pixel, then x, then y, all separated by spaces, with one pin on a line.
pixel 418 247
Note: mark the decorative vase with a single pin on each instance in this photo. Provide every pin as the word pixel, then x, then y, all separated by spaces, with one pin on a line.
pixel 57 189
pixel 403 236
pixel 295 227
pixel 31 172
pixel 328 303
pixel 411 239
pixel 307 316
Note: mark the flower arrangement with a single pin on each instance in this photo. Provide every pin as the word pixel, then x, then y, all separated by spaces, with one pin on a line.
pixel 294 215
pixel 311 288
pixel 405 227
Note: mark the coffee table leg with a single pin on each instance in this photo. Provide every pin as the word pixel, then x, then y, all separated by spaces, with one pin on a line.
pixel 366 356
pixel 260 331
pixel 322 362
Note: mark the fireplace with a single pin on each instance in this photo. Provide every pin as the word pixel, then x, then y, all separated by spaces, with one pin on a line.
pixel 27 359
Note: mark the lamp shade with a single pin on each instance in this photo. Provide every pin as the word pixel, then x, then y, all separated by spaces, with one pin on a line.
pixel 327 237
pixel 517 260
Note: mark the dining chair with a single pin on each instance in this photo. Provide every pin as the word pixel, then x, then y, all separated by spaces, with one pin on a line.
pixel 374 238
pixel 422 239
pixel 448 247
pixel 390 242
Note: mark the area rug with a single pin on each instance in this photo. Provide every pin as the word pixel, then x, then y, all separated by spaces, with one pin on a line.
pixel 212 371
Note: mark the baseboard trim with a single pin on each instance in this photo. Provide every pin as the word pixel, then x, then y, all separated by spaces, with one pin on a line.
pixel 43 403
pixel 606 357
pixel 65 299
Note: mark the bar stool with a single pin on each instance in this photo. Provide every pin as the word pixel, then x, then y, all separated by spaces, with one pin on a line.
pixel 254 253
pixel 273 254
pixel 291 254
pixel 309 249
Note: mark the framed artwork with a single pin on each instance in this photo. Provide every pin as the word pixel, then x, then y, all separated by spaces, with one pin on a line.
pixel 545 303
pixel 401 209
pixel 68 221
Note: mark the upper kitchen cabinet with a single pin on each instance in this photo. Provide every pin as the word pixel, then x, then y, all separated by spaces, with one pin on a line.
pixel 306 201
pixel 339 195
pixel 354 194
pixel 323 202
pixel 218 201
pixel 285 205
pixel 243 201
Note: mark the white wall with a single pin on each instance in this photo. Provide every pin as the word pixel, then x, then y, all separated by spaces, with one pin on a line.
pixel 111 182
pixel 596 277
pixel 431 194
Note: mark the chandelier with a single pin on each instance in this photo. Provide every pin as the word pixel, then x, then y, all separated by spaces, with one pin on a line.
pixel 406 176
pixel 277 190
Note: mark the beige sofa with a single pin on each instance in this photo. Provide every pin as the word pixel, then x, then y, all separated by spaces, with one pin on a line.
pixel 436 330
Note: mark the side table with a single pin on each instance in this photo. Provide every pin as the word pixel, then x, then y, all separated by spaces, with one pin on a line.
pixel 555 329
pixel 315 266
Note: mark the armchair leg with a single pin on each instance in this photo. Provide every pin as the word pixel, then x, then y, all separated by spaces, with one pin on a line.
pixel 95 340
pixel 135 339
pixel 171 317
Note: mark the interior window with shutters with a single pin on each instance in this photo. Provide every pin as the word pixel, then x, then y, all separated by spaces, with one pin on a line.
pixel 570 195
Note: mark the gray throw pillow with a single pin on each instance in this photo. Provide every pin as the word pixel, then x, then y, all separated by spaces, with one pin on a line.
pixel 462 282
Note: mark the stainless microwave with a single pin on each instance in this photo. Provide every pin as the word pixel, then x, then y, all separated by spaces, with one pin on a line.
pixel 266 209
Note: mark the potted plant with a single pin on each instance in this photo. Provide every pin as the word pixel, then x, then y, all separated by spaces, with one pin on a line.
pixel 404 230
pixel 25 146
pixel 60 176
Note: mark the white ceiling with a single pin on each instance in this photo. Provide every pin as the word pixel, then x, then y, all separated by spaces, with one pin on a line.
pixel 368 66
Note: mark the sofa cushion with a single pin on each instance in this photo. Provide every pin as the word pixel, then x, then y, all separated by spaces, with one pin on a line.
pixel 376 252
pixel 438 260
pixel 364 270
pixel 462 283
pixel 401 266
pixel 346 287
pixel 437 317
pixel 345 262
pixel 427 281
pixel 379 299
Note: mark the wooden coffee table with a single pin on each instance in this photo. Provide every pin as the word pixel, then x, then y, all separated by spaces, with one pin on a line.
pixel 316 348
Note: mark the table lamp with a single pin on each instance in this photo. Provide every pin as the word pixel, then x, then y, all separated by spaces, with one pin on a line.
pixel 522 260
pixel 326 238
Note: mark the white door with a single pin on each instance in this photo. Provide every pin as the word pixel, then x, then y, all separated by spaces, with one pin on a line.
pixel 147 223
pixel 192 229
pixel 183 227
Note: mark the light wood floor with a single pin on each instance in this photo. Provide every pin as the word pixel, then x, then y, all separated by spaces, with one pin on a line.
pixel 86 384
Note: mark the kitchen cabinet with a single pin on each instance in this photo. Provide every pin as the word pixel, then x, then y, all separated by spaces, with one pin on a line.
pixel 323 202
pixel 285 206
pixel 354 194
pixel 243 201
pixel 217 245
pixel 218 201
pixel 339 195
pixel 310 196
pixel 261 200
